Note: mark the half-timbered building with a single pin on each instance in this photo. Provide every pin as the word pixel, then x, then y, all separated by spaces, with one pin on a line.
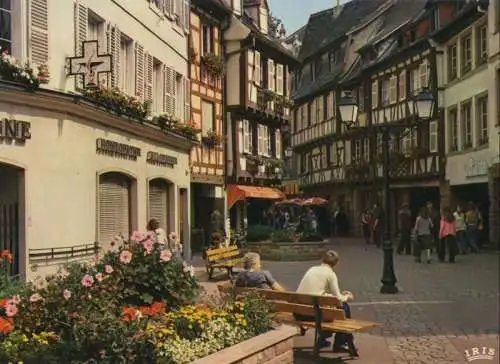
pixel 258 106
pixel 207 104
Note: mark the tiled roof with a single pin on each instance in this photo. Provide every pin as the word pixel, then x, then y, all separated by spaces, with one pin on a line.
pixel 327 26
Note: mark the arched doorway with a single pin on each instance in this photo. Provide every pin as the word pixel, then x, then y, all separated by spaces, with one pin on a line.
pixel 12 212
pixel 114 204
pixel 159 203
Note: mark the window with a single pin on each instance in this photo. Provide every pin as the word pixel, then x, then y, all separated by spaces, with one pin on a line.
pixel 452 62
pixel 178 92
pixel 453 125
pixel 95 30
pixel 482 120
pixel 366 149
pixel 393 89
pixel 332 59
pixel 414 81
pixel 385 92
pixel 466 125
pixel 433 136
pixel 126 77
pixel 466 54
pixel 247 137
pixel 330 106
pixel 402 85
pixel 379 144
pixel 406 142
pixel 5 26
pixel 482 45
pixel 207 116
pixel 303 117
pixel 423 71
pixel 361 99
pixel 157 105
pixel 264 141
pixel 279 79
pixel 310 113
pixel 277 143
pixel 324 157
pixel 208 45
pixel 374 94
pixel 356 152
pixel 263 20
pixel 271 76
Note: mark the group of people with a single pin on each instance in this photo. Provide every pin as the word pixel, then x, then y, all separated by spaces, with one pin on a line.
pixel 318 280
pixel 448 232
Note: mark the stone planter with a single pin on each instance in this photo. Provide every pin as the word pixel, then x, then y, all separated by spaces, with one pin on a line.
pixel 290 251
pixel 273 347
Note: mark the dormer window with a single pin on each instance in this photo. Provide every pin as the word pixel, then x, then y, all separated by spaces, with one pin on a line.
pixel 263 20
pixel 332 59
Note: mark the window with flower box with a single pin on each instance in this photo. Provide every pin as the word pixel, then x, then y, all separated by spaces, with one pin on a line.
pixel 482 120
pixel 466 125
pixel 208 40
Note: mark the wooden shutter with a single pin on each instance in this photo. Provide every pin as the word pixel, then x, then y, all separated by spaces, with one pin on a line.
pixel 139 71
pixel 279 79
pixel 114 48
pixel 169 102
pixel 114 208
pixel 186 19
pixel 81 24
pixel 187 99
pixel 246 136
pixel 374 94
pixel 402 85
pixel 393 81
pixel 260 140
pixel 256 68
pixel 159 202
pixel 277 143
pixel 148 77
pixel 39 32
pixel 271 81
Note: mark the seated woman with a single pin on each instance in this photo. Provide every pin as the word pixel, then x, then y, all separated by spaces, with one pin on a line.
pixel 322 280
pixel 253 277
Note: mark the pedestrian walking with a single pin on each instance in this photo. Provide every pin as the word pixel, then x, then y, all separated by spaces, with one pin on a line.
pixel 447 234
pixel 472 222
pixel 404 224
pixel 366 224
pixel 460 227
pixel 423 232
pixel 435 218
pixel 378 228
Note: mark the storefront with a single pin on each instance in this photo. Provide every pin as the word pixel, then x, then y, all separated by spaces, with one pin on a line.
pixel 72 174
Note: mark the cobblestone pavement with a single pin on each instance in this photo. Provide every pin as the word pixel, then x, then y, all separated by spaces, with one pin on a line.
pixel 441 310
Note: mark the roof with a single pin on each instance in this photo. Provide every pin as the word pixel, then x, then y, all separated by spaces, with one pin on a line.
pixel 327 26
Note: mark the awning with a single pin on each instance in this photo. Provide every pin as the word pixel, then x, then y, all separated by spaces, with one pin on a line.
pixel 236 193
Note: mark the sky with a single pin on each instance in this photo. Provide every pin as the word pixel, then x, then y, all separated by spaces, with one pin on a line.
pixel 295 13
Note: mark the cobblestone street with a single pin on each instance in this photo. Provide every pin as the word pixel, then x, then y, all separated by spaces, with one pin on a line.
pixel 441 310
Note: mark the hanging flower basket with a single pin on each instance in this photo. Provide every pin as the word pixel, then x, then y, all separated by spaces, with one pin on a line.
pixel 166 121
pixel 12 70
pixel 211 139
pixel 257 159
pixel 213 64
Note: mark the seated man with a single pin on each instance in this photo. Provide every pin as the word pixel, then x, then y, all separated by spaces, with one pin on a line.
pixel 322 280
pixel 253 277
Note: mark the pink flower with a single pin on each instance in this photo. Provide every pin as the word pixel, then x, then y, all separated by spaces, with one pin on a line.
pixel 16 300
pixel 35 297
pixel 67 294
pixel 148 246
pixel 87 280
pixel 108 269
pixel 99 277
pixel 165 255
pixel 125 257
pixel 11 310
pixel 137 236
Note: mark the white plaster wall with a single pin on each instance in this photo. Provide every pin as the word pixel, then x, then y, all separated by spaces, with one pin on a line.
pixel 61 168
pixel 233 74
pixel 160 37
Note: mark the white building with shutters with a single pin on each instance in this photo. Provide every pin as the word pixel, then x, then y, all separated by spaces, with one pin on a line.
pixel 71 172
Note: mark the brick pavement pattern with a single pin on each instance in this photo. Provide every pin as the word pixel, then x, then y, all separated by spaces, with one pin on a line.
pixel 441 310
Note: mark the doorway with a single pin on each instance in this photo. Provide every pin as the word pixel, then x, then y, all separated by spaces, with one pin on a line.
pixel 12 211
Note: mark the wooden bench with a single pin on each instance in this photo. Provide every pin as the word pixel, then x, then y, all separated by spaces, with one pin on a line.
pixel 222 258
pixel 325 309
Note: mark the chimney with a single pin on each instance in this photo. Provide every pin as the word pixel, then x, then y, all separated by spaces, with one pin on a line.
pixel 336 9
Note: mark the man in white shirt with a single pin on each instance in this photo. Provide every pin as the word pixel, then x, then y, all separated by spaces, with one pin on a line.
pixel 322 280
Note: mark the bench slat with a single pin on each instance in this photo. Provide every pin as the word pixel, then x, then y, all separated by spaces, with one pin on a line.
pixel 220 256
pixel 292 297
pixel 221 250
pixel 227 264
pixel 329 314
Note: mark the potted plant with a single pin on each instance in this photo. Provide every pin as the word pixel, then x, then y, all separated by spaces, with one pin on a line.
pixel 166 121
pixel 211 139
pixel 213 63
pixel 188 129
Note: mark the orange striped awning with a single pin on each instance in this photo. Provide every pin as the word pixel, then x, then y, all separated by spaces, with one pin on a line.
pixel 237 193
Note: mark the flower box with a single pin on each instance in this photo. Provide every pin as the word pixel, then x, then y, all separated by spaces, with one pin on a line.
pixel 273 346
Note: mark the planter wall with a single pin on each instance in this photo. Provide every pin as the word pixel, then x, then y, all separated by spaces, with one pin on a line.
pixel 296 251
pixel 273 347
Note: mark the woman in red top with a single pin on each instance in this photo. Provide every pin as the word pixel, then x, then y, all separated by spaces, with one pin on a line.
pixel 447 235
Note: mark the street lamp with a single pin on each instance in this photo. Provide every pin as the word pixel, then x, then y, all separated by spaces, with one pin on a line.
pixel 288 152
pixel 423 107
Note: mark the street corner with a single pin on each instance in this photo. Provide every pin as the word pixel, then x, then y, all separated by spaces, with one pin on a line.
pixel 478 349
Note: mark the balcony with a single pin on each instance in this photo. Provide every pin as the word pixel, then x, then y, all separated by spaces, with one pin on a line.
pixel 274 105
pixel 314 132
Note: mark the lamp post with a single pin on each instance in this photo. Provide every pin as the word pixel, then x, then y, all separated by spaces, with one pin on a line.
pixel 423 107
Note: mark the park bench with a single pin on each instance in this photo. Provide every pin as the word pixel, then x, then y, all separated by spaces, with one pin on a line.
pixel 222 258
pixel 325 309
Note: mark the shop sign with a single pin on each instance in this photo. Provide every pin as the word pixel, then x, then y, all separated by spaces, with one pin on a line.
pixel 115 149
pixel 15 130
pixel 91 64
pixel 479 167
pixel 161 159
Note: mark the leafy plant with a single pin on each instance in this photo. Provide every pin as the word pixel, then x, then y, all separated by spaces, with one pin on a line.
pixel 259 233
pixel 211 139
pixel 213 63
pixel 283 236
pixel 188 129
pixel 13 70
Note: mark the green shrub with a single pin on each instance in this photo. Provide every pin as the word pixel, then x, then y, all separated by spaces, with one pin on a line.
pixel 284 236
pixel 259 233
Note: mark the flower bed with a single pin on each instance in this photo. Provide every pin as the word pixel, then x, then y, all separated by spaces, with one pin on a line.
pixel 138 304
